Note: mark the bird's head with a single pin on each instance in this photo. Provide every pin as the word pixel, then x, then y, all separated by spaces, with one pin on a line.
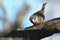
pixel 35 19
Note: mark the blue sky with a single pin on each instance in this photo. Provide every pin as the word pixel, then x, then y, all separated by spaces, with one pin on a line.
pixel 12 7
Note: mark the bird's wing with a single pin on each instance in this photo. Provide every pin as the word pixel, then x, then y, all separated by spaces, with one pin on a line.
pixel 52 24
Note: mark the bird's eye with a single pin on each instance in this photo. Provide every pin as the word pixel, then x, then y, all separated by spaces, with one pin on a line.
pixel 34 19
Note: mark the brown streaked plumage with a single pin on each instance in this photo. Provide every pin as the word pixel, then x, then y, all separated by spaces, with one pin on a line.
pixel 52 24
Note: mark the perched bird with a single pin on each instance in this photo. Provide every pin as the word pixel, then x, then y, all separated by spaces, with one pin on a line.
pixel 38 17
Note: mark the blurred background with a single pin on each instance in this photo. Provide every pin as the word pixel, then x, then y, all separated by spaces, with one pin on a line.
pixel 13 6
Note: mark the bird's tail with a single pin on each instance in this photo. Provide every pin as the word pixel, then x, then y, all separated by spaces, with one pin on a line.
pixel 43 6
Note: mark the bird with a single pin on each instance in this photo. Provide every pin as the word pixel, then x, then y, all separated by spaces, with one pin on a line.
pixel 38 17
